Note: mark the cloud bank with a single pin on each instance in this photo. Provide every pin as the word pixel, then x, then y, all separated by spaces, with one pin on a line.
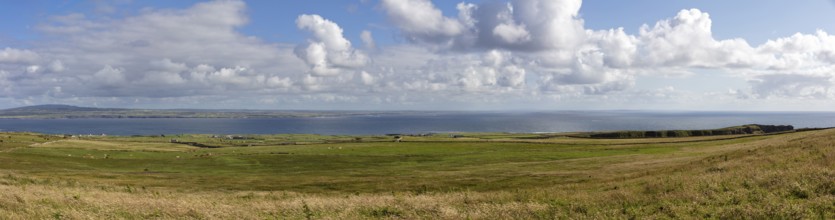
pixel 498 53
pixel 549 38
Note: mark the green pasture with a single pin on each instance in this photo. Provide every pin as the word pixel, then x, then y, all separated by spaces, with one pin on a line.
pixel 314 163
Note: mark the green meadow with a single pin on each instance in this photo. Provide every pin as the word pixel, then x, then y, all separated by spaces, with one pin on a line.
pixel 469 176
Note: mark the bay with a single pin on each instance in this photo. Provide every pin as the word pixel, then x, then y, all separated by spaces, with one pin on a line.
pixel 423 122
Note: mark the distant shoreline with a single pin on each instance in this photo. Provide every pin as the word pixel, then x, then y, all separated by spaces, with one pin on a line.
pixel 76 112
pixel 73 112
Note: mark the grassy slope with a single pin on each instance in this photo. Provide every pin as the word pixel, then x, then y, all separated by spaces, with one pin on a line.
pixel 480 176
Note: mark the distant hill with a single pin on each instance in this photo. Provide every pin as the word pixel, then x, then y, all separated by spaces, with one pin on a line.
pixel 69 111
pixel 53 107
pixel 47 111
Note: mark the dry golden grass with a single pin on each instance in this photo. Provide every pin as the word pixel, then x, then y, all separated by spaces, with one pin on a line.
pixel 574 140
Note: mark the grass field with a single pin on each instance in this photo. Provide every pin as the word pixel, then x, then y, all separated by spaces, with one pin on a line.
pixel 476 176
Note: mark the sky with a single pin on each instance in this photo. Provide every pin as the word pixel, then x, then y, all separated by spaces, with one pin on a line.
pixel 491 55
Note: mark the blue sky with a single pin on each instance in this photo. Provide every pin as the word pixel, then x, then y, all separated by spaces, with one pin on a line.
pixel 756 21
pixel 420 54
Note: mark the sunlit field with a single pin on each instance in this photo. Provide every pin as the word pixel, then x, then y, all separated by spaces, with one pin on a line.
pixel 440 176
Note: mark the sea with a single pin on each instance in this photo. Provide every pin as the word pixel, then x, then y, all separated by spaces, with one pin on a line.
pixel 423 122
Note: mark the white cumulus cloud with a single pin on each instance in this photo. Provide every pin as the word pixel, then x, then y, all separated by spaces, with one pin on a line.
pixel 12 55
pixel 327 52
pixel 422 21
pixel 368 40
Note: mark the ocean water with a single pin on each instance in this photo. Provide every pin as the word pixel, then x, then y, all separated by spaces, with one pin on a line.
pixel 418 122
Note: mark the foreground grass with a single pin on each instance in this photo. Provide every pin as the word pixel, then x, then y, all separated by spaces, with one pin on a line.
pixel 484 176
